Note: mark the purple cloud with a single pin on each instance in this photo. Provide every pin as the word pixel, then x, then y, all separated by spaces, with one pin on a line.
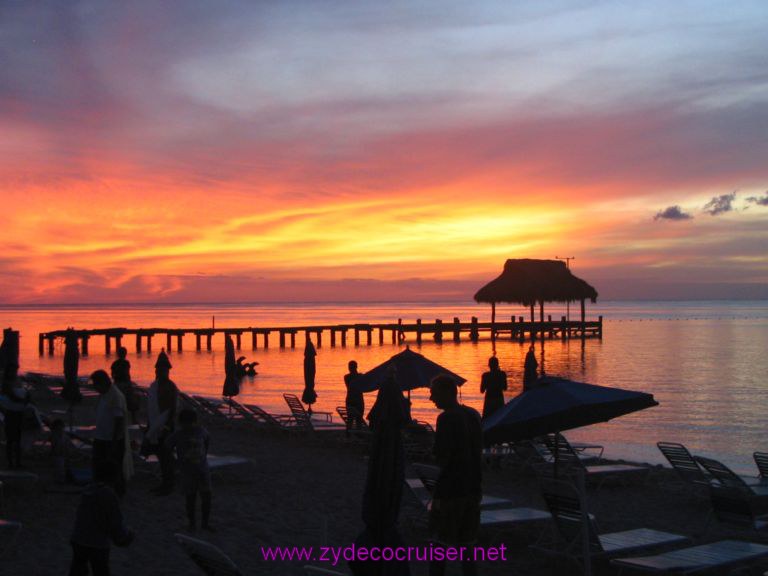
pixel 720 204
pixel 672 213
pixel 759 200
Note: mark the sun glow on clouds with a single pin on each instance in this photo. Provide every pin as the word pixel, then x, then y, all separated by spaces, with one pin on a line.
pixel 191 154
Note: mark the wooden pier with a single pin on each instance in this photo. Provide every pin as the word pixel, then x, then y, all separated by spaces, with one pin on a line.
pixel 517 329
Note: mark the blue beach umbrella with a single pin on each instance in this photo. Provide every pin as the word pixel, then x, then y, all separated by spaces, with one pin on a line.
pixel 411 370
pixel 557 404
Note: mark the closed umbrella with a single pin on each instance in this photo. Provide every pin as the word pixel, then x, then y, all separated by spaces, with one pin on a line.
pixel 71 389
pixel 309 396
pixel 411 370
pixel 557 404
pixel 384 482
pixel 232 378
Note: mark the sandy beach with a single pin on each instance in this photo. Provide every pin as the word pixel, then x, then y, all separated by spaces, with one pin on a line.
pixel 307 491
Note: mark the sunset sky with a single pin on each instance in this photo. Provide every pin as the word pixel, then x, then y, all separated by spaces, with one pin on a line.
pixel 186 151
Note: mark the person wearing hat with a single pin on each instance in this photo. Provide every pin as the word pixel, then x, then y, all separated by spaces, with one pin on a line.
pixel 162 399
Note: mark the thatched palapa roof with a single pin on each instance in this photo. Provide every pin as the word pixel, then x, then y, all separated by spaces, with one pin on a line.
pixel 527 281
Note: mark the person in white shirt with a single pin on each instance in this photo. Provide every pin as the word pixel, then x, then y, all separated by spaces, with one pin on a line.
pixel 110 439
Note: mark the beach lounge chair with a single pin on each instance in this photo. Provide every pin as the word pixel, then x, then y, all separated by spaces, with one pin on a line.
pixel 489 516
pixel 423 491
pixel 216 409
pixel 209 558
pixel 256 415
pixel 724 476
pixel 715 556
pixel 346 414
pixel 586 452
pixel 761 461
pixel 736 507
pixel 567 459
pixel 684 464
pixel 308 422
pixel 577 534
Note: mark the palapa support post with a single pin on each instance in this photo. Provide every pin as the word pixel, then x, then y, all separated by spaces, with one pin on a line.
pixel 563 328
pixel 418 332
pixel 512 329
pixel 474 333
pixel 84 344
pixel 543 334
pixel 583 319
pixel 456 329
pixel 521 332
pixel 400 334
pixel 600 327
pixel 439 331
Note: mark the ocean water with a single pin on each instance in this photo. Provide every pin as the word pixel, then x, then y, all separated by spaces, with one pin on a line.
pixel 705 362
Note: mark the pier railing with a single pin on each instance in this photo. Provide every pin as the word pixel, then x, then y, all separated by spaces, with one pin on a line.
pixel 397 332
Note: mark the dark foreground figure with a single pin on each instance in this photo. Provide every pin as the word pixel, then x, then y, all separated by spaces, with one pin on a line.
pixel 455 515
pixel 190 443
pixel 99 522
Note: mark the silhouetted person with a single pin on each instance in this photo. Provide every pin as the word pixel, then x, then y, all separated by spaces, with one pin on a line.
pixel 98 523
pixel 493 384
pixel 191 445
pixel 530 374
pixel 354 401
pixel 121 376
pixel 110 438
pixel 309 396
pixel 162 399
pixel 455 514
pixel 14 402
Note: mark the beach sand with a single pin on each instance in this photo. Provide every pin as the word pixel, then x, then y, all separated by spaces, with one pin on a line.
pixel 306 491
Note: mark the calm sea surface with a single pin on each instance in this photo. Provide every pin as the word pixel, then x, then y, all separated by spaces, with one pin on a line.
pixel 705 362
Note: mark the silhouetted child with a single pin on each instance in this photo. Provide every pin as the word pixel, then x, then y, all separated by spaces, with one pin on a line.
pixel 99 522
pixel 59 448
pixel 191 445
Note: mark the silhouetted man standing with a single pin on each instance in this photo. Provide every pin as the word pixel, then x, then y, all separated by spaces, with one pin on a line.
pixel 455 514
